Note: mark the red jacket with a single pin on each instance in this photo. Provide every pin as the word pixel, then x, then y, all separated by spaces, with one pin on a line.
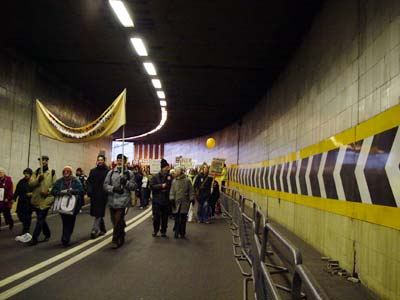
pixel 7 184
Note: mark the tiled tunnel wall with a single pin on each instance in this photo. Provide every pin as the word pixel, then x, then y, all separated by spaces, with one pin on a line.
pixel 21 82
pixel 340 94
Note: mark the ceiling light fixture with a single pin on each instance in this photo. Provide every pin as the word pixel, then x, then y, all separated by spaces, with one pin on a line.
pixel 140 48
pixel 163 103
pixel 164 115
pixel 161 94
pixel 121 12
pixel 150 69
pixel 156 83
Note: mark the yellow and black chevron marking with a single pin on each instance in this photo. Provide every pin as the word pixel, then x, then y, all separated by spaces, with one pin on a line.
pixel 355 173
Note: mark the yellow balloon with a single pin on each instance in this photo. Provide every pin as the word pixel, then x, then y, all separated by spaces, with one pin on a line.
pixel 210 143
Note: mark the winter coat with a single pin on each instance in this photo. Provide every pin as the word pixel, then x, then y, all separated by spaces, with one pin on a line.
pixel 202 187
pixel 181 194
pixel 160 194
pixel 39 201
pixel 76 189
pixel 112 181
pixel 215 193
pixel 7 184
pixel 95 190
pixel 23 193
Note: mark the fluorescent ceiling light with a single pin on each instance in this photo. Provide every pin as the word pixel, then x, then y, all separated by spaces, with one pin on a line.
pixel 164 116
pixel 161 94
pixel 150 69
pixel 163 103
pixel 121 12
pixel 156 83
pixel 140 48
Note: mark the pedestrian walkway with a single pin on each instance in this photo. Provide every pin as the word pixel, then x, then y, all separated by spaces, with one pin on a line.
pixel 200 267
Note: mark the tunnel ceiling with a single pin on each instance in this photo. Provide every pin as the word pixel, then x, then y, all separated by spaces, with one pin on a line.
pixel 216 59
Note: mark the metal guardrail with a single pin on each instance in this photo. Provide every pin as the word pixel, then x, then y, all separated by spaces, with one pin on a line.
pixel 249 226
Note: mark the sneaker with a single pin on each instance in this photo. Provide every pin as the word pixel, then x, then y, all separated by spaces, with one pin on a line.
pixel 25 238
pixel 18 238
pixel 154 234
pixel 102 233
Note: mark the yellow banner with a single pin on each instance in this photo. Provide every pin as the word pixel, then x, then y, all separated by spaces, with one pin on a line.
pixel 109 122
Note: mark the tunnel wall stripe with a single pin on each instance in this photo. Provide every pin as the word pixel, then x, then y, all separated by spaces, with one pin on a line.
pixel 360 166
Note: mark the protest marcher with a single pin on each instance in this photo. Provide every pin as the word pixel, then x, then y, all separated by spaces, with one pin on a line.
pixel 68 185
pixel 98 197
pixel 192 214
pixel 145 192
pixel 202 188
pixel 23 195
pixel 138 180
pixel 214 197
pixel 181 195
pixel 118 185
pixel 82 177
pixel 41 198
pixel 6 198
pixel 160 185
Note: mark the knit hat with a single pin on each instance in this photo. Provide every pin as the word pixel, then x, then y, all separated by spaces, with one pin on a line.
pixel 67 168
pixel 28 171
pixel 164 163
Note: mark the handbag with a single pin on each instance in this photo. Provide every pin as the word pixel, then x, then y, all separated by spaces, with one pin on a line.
pixel 65 204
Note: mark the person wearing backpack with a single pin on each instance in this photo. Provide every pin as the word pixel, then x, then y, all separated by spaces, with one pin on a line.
pixel 119 183
pixel 41 184
pixel 68 185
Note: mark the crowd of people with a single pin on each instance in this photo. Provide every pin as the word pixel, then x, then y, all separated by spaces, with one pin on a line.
pixel 191 197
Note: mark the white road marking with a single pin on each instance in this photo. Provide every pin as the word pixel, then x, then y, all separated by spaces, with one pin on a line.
pixel 40 277
pixel 49 261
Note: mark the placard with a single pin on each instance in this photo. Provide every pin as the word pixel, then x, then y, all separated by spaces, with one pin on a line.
pixel 216 167
pixel 155 166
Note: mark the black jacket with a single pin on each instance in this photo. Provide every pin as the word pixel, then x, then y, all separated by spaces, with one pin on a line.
pixel 161 195
pixel 98 197
pixel 24 200
pixel 202 187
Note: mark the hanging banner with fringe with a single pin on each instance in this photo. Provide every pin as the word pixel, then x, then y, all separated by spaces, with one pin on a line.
pixel 110 121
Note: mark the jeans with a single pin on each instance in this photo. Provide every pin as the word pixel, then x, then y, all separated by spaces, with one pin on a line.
pixel 118 221
pixel 203 211
pixel 144 198
pixel 160 217
pixel 68 222
pixel 98 225
pixel 41 224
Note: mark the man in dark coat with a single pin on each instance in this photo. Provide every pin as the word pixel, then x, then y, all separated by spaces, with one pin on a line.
pixel 98 197
pixel 23 193
pixel 160 185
